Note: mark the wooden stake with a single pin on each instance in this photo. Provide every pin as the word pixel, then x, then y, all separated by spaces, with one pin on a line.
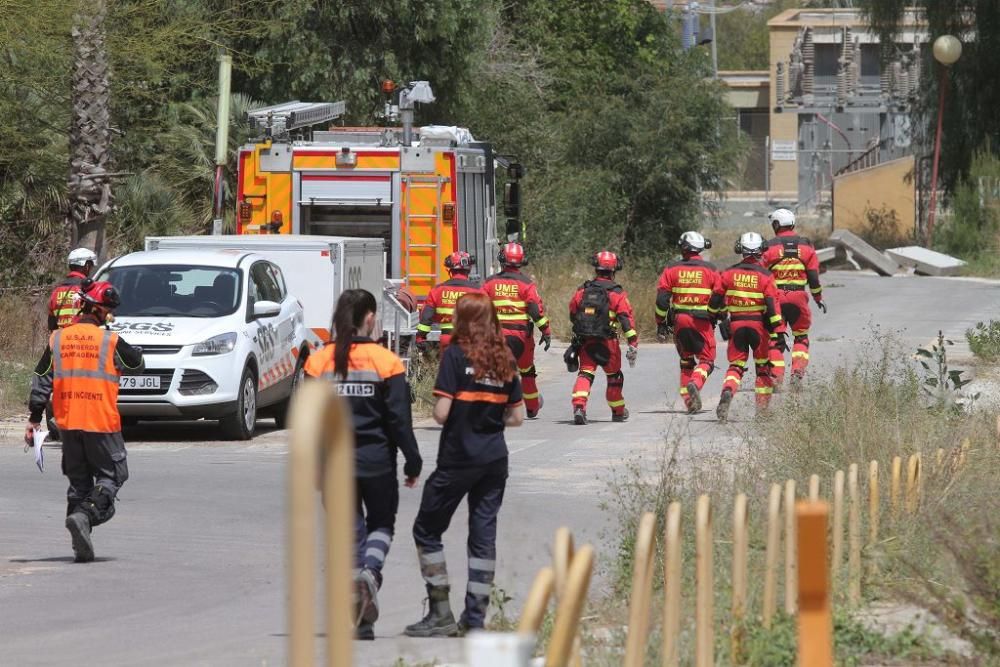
pixel 874 506
pixel 740 547
pixel 791 571
pixel 704 586
pixel 537 602
pixel 814 488
pixel 672 587
pixel 838 531
pixel 894 487
pixel 642 592
pixel 567 621
pixel 939 461
pixel 853 537
pixel 913 483
pixel 771 555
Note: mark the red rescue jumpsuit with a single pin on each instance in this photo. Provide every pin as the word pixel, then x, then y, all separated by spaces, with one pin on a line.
pixel 520 309
pixel 605 353
pixel 439 307
pixel 684 290
pixel 64 301
pixel 792 260
pixel 747 292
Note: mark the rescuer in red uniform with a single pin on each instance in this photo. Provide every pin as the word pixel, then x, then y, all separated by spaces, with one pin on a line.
pixel 64 302
pixel 792 260
pixel 746 292
pixel 598 310
pixel 439 307
pixel 520 309
pixel 682 297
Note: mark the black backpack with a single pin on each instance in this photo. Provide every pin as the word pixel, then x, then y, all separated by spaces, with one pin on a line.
pixel 592 319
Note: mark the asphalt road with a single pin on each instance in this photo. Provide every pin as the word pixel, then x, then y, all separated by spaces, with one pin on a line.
pixel 191 570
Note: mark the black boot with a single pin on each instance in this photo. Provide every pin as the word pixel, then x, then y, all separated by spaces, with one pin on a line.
pixel 722 412
pixel 694 398
pixel 78 525
pixel 439 621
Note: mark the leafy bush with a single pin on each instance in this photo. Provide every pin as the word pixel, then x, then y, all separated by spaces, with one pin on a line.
pixel 975 222
pixel 881 228
pixel 984 340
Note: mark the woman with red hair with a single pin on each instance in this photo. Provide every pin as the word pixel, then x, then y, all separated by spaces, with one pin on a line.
pixel 478 394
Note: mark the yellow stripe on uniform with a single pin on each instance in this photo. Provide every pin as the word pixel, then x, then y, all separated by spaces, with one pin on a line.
pixel 692 290
pixel 745 295
pixel 504 317
pixel 702 372
pixel 507 302
pixel 746 309
pixel 528 397
pixel 661 313
pixel 764 390
pixel 542 322
pixel 616 404
pixel 800 355
pixel 630 333
pixel 581 394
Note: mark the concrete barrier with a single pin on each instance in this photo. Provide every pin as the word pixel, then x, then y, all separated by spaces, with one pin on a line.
pixel 865 252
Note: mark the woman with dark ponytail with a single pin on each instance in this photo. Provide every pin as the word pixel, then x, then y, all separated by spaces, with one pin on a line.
pixel 373 380
pixel 478 394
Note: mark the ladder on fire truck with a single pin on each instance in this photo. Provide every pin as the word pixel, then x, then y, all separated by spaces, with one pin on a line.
pixel 279 119
pixel 421 211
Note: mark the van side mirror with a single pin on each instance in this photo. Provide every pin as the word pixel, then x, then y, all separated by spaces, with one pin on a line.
pixel 266 309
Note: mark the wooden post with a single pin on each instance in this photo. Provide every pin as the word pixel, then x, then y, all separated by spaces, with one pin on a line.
pixel 913 483
pixel 963 452
pixel 562 558
pixel 838 530
pixel 739 606
pixel 672 586
pixel 704 585
pixel 939 460
pixel 537 602
pixel 814 488
pixel 894 486
pixel 771 555
pixel 815 618
pixel 642 592
pixel 567 620
pixel 791 572
pixel 874 506
pixel 853 537
pixel 318 420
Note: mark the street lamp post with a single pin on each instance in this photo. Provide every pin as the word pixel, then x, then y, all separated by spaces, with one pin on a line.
pixel 947 50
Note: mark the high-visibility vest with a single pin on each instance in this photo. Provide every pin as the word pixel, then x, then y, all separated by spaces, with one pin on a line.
pixel 85 380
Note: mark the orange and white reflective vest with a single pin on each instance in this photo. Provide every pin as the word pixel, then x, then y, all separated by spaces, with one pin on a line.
pixel 85 379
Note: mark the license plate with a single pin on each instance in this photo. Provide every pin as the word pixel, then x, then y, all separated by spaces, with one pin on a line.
pixel 139 382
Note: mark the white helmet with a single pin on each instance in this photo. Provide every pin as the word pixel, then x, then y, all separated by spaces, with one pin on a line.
pixel 81 256
pixel 781 218
pixel 750 243
pixel 693 242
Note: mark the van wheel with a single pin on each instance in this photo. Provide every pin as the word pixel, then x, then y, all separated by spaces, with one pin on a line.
pixel 241 424
pixel 281 411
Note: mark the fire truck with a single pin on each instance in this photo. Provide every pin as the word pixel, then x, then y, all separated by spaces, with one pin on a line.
pixel 426 191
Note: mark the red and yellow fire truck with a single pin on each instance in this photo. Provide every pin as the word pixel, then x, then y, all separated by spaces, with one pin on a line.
pixel 426 191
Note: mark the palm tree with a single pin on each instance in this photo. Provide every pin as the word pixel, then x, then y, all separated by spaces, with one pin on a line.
pixel 89 184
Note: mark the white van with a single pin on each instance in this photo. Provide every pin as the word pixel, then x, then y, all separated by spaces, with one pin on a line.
pixel 222 336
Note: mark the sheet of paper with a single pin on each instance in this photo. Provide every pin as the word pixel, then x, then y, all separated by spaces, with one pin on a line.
pixel 39 438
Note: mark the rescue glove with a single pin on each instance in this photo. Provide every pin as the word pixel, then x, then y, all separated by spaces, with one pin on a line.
pixel 663 332
pixel 780 341
pixel 545 341
pixel 822 306
pixel 725 329
pixel 631 354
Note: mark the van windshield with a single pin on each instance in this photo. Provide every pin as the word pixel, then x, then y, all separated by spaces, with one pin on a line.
pixel 175 290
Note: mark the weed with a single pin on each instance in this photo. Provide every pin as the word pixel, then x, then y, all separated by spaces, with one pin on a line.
pixel 15 382
pixel 882 228
pixel 984 340
pixel 943 384
pixel 499 621
pixel 422 376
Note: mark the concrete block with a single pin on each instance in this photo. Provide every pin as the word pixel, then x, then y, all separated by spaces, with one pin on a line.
pixel 826 255
pixel 926 262
pixel 864 252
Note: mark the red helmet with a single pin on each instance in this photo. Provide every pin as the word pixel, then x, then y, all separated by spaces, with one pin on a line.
pixel 512 254
pixel 100 293
pixel 459 261
pixel 606 260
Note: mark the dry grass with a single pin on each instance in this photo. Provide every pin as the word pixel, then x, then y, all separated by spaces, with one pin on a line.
pixel 23 332
pixel 872 410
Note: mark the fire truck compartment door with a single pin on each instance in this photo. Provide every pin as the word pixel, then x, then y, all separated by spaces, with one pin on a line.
pixel 346 190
